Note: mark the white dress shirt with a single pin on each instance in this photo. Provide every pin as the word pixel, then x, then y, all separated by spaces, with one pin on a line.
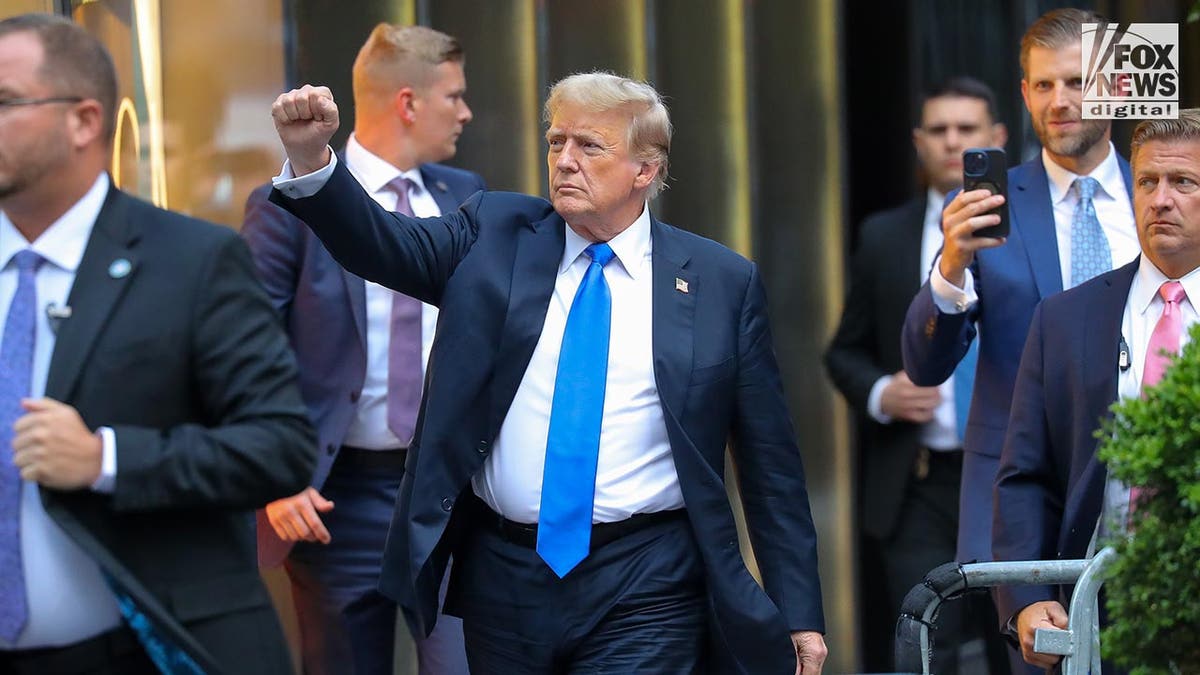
pixel 368 429
pixel 940 433
pixel 1142 311
pixel 68 599
pixel 1113 210
pixel 636 471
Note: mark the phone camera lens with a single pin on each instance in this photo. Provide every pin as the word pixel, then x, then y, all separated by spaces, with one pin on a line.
pixel 975 163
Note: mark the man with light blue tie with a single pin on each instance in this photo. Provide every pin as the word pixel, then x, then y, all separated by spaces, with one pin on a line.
pixel 591 365
pixel 910 437
pixel 361 350
pixel 1071 218
pixel 148 401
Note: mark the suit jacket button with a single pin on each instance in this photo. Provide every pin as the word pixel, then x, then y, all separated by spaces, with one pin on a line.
pixel 731 544
pixel 330 449
pixel 482 447
pixel 447 504
pixel 354 396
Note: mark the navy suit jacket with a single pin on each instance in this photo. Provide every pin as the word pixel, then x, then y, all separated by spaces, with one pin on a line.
pixel 491 268
pixel 1050 489
pixel 324 311
pixel 1010 281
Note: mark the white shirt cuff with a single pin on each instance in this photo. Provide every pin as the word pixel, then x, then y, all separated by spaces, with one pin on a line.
pixel 107 480
pixel 951 299
pixel 875 400
pixel 299 187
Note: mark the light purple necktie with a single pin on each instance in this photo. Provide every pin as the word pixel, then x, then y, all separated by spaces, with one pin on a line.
pixel 16 374
pixel 404 346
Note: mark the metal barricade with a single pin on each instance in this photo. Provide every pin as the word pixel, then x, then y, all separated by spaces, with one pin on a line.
pixel 1079 644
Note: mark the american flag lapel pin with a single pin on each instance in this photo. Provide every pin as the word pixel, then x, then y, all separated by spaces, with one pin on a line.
pixel 681 285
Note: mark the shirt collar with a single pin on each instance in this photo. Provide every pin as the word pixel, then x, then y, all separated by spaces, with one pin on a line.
pixel 1148 280
pixel 374 172
pixel 1107 174
pixel 630 247
pixel 63 243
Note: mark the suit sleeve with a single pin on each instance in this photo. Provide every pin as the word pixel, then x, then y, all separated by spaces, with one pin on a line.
pixel 414 256
pixel 275 239
pixel 771 473
pixel 257 444
pixel 933 342
pixel 850 358
pixel 1027 507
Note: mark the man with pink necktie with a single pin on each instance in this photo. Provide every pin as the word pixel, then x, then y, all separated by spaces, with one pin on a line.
pixel 1110 337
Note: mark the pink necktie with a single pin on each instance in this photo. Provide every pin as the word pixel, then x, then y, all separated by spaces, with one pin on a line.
pixel 1164 344
pixel 1164 341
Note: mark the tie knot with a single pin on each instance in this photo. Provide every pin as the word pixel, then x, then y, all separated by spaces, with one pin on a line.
pixel 1087 187
pixel 28 260
pixel 401 185
pixel 1172 291
pixel 600 253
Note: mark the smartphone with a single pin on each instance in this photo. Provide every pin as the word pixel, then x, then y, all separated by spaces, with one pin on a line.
pixel 987 169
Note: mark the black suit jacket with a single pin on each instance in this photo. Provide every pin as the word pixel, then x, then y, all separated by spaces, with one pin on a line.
pixel 491 266
pixel 185 359
pixel 884 277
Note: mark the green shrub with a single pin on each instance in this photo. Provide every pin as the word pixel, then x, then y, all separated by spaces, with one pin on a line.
pixel 1153 591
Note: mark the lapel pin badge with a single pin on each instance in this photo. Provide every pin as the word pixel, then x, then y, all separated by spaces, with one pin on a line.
pixel 681 285
pixel 119 268
pixel 441 185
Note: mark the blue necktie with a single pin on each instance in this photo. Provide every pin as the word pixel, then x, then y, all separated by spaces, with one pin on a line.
pixel 1090 254
pixel 16 375
pixel 964 384
pixel 573 443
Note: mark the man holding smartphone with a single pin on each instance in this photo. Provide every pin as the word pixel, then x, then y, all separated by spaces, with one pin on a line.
pixel 911 443
pixel 1071 218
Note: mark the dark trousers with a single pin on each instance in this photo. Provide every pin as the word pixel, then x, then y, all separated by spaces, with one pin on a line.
pixel 116 652
pixel 347 627
pixel 924 538
pixel 634 605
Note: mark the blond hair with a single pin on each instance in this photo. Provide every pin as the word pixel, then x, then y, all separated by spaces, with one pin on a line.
pixel 394 57
pixel 649 131
pixel 1186 128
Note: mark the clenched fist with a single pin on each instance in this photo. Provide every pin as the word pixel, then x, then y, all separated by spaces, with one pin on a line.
pixel 305 119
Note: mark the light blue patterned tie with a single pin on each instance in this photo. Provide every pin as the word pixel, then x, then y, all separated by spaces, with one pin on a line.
pixel 573 443
pixel 964 384
pixel 16 375
pixel 1090 254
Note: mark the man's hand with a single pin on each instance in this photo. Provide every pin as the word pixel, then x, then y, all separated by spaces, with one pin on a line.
pixel 53 447
pixel 810 652
pixel 1045 614
pixel 903 400
pixel 963 215
pixel 295 518
pixel 305 119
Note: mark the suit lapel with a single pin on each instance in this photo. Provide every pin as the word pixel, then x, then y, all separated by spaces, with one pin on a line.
pixel 108 266
pixel 356 294
pixel 674 307
pixel 906 248
pixel 1033 220
pixel 1101 344
pixel 440 191
pixel 539 249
